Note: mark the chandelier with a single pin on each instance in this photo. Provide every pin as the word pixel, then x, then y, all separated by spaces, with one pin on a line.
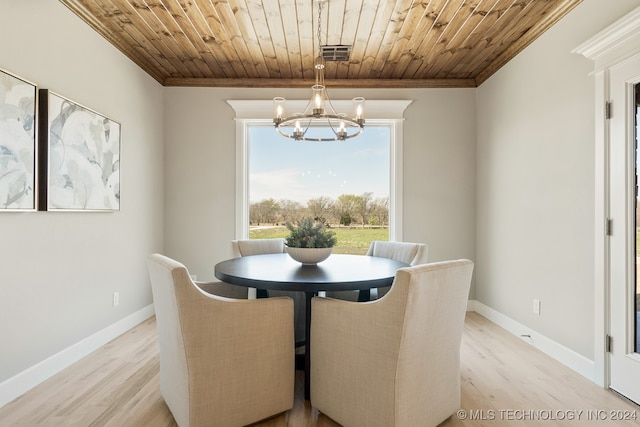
pixel 319 114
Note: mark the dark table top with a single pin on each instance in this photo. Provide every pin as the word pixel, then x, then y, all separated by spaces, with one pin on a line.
pixel 280 272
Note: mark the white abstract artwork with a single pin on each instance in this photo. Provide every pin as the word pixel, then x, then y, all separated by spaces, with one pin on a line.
pixel 83 154
pixel 17 143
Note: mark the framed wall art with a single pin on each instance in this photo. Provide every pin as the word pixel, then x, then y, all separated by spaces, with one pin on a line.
pixel 18 100
pixel 79 157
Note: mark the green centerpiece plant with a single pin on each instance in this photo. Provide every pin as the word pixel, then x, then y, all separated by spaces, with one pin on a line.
pixel 310 234
pixel 310 242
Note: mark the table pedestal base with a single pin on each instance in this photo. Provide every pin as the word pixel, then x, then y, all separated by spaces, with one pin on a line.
pixel 307 350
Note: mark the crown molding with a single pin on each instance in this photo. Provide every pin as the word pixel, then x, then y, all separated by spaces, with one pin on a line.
pixel 615 43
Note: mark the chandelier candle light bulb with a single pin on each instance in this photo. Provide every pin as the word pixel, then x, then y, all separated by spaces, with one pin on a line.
pixel 318 102
pixel 342 132
pixel 278 105
pixel 359 104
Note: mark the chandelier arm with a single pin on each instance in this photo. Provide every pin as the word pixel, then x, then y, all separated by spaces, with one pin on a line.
pixel 331 107
pixel 307 127
pixel 305 112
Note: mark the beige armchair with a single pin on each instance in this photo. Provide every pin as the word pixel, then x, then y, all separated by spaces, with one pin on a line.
pixel 274 246
pixel 394 361
pixel 409 253
pixel 223 362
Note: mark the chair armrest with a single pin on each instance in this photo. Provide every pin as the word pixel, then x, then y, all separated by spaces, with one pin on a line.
pixel 223 289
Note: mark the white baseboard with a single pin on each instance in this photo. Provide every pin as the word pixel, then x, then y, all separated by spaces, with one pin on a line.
pixel 471 305
pixel 564 355
pixel 24 381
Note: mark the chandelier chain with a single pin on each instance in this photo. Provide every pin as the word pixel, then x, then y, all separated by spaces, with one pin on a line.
pixel 319 25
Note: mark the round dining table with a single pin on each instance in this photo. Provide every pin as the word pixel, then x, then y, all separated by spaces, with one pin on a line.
pixel 339 272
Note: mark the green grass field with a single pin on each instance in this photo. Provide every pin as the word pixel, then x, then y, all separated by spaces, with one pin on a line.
pixel 351 240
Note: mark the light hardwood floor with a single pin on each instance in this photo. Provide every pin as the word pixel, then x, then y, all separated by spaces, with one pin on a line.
pixel 505 382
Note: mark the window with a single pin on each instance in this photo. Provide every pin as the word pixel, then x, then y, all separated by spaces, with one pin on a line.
pixel 252 119
pixel 344 185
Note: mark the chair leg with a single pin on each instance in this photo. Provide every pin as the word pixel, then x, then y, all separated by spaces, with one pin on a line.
pixel 364 295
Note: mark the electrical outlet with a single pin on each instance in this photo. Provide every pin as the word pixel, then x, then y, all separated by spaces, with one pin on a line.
pixel 116 299
pixel 536 307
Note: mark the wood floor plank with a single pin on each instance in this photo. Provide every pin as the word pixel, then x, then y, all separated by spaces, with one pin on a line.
pixel 505 382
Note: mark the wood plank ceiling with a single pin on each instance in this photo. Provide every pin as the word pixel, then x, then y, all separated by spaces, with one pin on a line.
pixel 272 43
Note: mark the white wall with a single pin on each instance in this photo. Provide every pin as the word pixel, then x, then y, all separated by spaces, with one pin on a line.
pixel 438 170
pixel 58 270
pixel 535 183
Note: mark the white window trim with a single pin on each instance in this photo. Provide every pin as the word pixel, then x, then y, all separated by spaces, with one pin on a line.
pixel 255 112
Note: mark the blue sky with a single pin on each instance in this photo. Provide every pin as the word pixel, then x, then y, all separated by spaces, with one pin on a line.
pixel 281 168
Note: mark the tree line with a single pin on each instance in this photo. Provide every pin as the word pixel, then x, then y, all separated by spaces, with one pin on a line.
pixel 347 210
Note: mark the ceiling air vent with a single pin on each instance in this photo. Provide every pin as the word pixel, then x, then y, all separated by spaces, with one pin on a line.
pixel 338 52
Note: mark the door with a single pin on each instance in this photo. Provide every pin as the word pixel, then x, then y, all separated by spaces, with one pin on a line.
pixel 624 355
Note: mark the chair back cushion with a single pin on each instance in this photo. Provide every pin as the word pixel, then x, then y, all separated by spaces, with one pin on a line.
pixel 257 247
pixel 409 253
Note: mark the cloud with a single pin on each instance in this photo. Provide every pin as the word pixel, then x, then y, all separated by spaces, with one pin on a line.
pixel 302 171
pixel 294 184
pixel 280 184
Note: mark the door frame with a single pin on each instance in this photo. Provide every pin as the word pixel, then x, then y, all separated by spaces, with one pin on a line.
pixel 613 45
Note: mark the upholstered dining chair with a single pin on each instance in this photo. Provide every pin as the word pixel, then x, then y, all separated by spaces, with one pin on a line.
pixel 223 362
pixel 250 247
pixel 394 361
pixel 407 252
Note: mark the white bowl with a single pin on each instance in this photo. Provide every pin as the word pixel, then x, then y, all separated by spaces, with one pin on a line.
pixel 309 256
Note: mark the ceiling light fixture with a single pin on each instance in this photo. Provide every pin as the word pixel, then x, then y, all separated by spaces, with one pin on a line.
pixel 319 112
